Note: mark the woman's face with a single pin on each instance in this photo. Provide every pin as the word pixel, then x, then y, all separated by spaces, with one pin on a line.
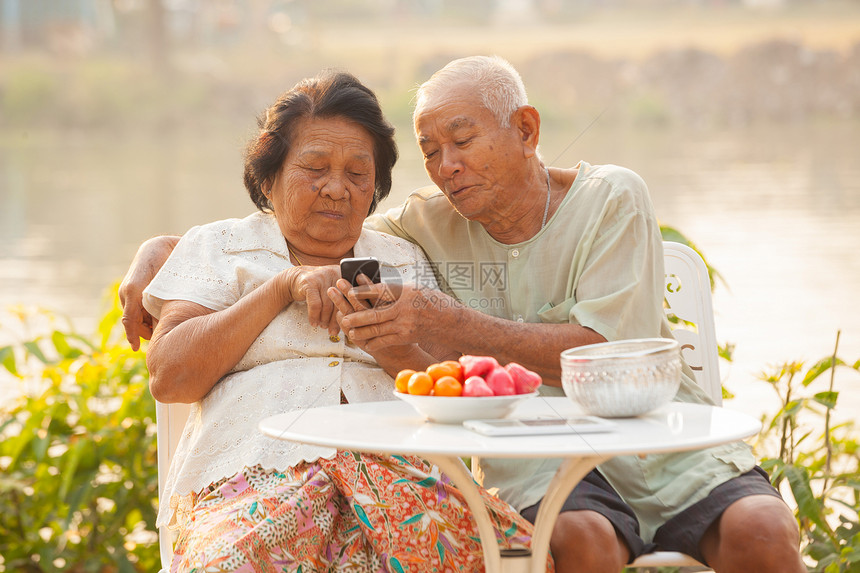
pixel 324 189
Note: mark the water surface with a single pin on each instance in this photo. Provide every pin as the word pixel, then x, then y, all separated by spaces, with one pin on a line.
pixel 776 210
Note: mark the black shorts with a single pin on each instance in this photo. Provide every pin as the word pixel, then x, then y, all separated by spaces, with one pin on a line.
pixel 681 533
pixel 684 531
pixel 594 493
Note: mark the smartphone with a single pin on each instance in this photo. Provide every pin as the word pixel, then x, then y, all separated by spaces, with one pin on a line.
pixel 351 268
pixel 536 426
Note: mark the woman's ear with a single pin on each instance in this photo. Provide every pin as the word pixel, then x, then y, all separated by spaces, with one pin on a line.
pixel 266 187
pixel 527 121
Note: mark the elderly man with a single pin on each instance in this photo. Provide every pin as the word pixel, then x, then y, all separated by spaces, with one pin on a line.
pixel 535 260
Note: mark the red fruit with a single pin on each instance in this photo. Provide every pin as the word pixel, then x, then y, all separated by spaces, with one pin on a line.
pixel 525 380
pixel 476 386
pixel 500 382
pixel 477 365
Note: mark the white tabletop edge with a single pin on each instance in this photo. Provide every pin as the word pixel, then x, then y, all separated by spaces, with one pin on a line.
pixel 392 427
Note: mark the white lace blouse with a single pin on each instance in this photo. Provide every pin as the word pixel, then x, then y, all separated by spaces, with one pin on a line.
pixel 291 365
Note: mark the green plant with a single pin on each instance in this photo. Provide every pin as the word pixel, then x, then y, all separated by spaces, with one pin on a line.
pixel 77 452
pixel 819 465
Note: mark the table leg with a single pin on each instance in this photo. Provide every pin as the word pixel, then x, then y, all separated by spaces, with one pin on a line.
pixel 571 471
pixel 454 468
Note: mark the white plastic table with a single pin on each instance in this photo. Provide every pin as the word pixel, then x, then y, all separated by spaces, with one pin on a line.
pixel 396 428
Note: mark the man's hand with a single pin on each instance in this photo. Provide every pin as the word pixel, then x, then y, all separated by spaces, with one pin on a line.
pixel 345 299
pixel 400 353
pixel 381 315
pixel 150 257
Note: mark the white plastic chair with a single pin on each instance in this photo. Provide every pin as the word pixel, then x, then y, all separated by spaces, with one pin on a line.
pixel 169 422
pixel 688 297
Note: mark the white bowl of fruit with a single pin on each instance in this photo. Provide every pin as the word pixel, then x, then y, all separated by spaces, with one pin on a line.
pixel 475 387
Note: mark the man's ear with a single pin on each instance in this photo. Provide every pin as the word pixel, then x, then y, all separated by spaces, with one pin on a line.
pixel 527 121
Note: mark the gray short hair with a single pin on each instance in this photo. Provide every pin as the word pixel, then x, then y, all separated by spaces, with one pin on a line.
pixel 500 86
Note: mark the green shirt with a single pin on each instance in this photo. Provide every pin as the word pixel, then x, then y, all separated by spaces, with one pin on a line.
pixel 598 263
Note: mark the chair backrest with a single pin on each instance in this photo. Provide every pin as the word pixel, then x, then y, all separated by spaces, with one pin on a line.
pixel 169 421
pixel 688 299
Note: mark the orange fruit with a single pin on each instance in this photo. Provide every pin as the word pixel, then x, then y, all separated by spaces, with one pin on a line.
pixel 456 369
pixel 447 386
pixel 436 371
pixel 441 369
pixel 420 383
pixel 401 382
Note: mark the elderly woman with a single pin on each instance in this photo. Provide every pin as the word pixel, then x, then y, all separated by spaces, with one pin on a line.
pixel 245 330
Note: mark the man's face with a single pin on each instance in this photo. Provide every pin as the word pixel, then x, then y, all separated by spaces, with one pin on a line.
pixel 476 163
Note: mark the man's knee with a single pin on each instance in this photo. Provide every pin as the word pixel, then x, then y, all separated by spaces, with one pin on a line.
pixel 587 541
pixel 760 519
pixel 757 531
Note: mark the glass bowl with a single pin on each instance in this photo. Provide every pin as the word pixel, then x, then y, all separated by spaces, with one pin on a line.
pixel 622 378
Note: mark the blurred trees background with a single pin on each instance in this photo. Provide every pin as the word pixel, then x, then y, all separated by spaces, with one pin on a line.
pixel 700 62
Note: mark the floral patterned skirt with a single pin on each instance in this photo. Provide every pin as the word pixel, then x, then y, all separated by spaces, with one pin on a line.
pixel 354 512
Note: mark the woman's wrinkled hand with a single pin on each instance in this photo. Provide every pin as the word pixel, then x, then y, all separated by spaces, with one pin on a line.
pixel 310 284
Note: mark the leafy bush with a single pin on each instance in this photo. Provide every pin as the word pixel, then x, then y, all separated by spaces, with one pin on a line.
pixel 78 461
pixel 818 461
